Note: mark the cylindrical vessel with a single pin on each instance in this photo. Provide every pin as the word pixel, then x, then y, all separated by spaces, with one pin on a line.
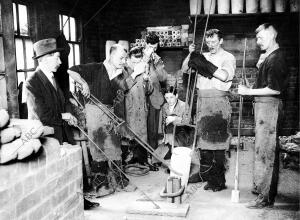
pixel 181 163
pixel 108 45
pixel 265 6
pixel 195 6
pixel 294 5
pixel 237 6
pixel 184 34
pixel 223 6
pixel 251 6
pixel 206 4
pixel 125 44
pixel 280 5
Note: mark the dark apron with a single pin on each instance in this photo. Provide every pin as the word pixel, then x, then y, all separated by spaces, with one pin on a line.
pixel 213 120
pixel 266 162
pixel 101 131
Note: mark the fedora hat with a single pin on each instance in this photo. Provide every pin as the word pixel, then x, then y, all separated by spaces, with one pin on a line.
pixel 45 46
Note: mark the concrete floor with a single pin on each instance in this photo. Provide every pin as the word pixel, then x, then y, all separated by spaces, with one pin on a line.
pixel 206 204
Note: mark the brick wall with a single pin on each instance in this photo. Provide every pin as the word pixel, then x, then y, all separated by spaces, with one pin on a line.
pixel 126 19
pixel 44 187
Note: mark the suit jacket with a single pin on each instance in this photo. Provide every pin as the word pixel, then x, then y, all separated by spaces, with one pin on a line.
pixel 157 74
pixel 46 104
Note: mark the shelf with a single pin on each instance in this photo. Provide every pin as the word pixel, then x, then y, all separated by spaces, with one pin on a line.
pixel 173 48
pixel 248 15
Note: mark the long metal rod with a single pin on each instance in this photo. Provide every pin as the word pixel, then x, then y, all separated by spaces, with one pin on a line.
pixel 205 28
pixel 120 122
pixel 236 176
pixel 196 75
pixel 195 22
pixel 149 199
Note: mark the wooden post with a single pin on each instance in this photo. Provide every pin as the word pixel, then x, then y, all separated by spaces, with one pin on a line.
pixel 10 57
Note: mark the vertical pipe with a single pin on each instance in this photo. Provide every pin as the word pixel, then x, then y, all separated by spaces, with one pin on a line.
pixel 176 188
pixel 170 189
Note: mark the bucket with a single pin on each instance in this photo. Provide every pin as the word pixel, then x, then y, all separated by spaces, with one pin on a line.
pixel 181 163
pixel 294 5
pixel 108 45
pixel 223 6
pixel 193 6
pixel 206 4
pixel 265 6
pixel 125 44
pixel 237 6
pixel 280 5
pixel 252 6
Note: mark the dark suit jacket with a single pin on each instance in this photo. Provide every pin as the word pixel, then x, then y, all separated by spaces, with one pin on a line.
pixel 46 104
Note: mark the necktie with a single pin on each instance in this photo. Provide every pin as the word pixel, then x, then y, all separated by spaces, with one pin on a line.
pixel 54 83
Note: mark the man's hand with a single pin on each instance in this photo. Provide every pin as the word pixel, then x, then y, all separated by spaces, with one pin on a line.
pixel 147 53
pixel 192 48
pixel 85 90
pixel 68 117
pixel 146 77
pixel 73 101
pixel 139 69
pixel 204 67
pixel 170 119
pixel 243 90
pixel 119 97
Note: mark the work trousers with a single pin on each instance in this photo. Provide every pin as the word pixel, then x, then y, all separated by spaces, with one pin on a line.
pixel 266 162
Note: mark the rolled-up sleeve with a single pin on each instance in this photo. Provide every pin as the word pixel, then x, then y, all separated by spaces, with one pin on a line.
pixel 228 65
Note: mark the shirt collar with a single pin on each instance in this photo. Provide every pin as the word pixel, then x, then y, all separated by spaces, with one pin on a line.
pixel 111 70
pixel 220 50
pixel 263 56
pixel 48 74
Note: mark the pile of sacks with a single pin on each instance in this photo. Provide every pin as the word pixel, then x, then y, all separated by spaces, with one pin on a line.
pixel 18 137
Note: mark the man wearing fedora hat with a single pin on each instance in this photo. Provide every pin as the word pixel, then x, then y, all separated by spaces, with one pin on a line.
pixel 45 99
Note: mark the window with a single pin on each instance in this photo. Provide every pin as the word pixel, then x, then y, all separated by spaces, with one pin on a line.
pixel 23 42
pixel 69 27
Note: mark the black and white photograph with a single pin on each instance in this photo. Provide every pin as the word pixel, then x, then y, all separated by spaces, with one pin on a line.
pixel 149 110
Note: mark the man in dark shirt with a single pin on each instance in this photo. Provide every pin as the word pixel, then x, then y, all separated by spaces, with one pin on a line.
pixel 107 81
pixel 270 83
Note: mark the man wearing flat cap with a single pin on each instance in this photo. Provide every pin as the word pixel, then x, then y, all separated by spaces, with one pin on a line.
pixel 45 99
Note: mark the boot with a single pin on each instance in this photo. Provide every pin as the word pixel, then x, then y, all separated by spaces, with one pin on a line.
pixel 100 182
pixel 118 179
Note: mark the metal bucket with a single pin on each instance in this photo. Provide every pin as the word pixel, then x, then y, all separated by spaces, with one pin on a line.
pixel 294 5
pixel 237 6
pixel 194 8
pixel 223 6
pixel 280 5
pixel 265 6
pixel 181 163
pixel 251 6
pixel 206 4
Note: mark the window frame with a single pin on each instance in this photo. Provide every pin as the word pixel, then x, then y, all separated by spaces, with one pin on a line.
pixel 23 38
pixel 72 43
pixel 77 41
